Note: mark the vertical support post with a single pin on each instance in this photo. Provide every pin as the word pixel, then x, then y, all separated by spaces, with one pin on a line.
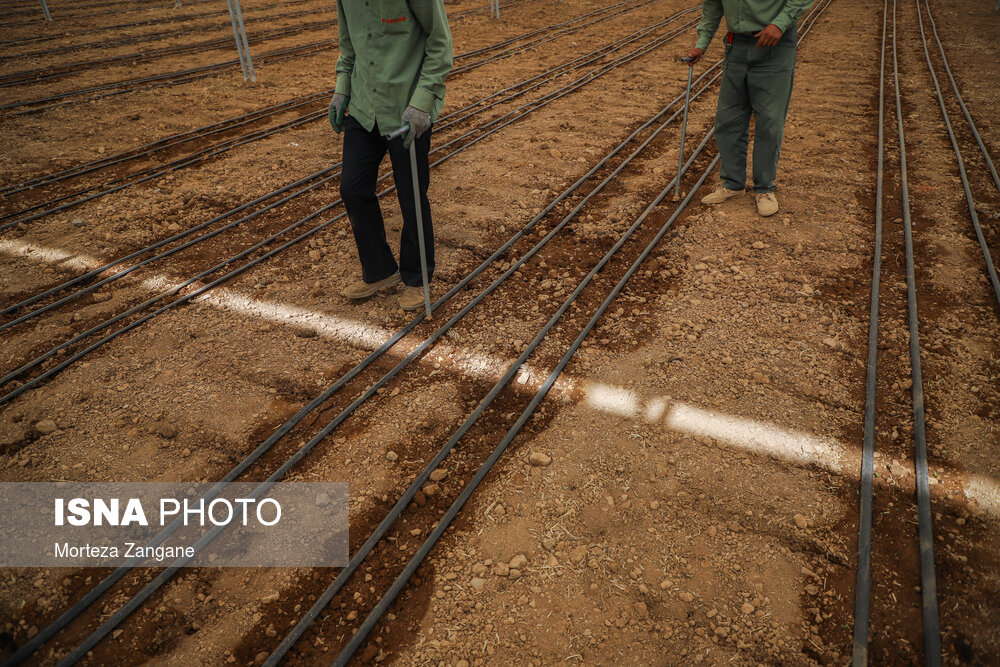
pixel 420 225
pixel 45 10
pixel 236 36
pixel 246 44
pixel 684 127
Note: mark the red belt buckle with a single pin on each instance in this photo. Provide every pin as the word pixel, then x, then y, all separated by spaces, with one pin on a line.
pixel 729 38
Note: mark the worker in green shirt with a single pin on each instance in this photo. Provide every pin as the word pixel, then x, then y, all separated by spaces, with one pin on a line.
pixel 394 57
pixel 757 79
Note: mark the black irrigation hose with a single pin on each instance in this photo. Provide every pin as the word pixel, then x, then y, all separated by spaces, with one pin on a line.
pixel 152 36
pixel 359 636
pixel 159 145
pixel 991 270
pixel 50 631
pixel 43 74
pixel 536 82
pixel 494 126
pixel 62 16
pixel 46 208
pixel 925 528
pixel 345 574
pixel 961 103
pixel 184 137
pixel 171 78
pixel 149 22
pixel 862 588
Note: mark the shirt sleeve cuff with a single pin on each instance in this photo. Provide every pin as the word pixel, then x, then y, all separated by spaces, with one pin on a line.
pixel 422 99
pixel 782 21
pixel 703 43
pixel 343 85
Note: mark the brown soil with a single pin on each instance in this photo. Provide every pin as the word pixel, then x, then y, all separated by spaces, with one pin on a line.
pixel 680 519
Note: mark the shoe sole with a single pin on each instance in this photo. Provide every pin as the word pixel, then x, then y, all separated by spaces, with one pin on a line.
pixel 716 203
pixel 374 287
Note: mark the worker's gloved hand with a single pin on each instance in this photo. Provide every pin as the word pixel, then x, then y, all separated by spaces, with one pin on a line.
pixel 419 122
pixel 338 110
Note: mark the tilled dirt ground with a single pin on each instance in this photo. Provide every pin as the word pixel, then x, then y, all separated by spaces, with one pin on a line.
pixel 688 492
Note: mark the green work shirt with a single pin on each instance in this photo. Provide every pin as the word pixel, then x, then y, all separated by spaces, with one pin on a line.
pixel 747 16
pixel 393 54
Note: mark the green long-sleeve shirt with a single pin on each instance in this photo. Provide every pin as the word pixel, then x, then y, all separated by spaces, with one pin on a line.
pixel 747 16
pixel 393 54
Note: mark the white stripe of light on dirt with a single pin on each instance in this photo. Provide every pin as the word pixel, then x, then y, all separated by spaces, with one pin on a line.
pixel 738 432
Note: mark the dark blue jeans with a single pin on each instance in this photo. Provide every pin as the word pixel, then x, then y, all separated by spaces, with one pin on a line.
pixel 755 81
pixel 363 153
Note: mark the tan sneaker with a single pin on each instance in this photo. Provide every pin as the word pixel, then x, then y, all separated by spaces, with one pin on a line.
pixel 361 289
pixel 767 204
pixel 722 194
pixel 412 298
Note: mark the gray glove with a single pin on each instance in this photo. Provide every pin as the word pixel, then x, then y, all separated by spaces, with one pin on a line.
pixel 419 122
pixel 338 109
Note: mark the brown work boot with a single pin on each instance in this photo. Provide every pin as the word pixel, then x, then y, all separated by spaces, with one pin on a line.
pixel 412 298
pixel 361 289
pixel 767 204
pixel 722 194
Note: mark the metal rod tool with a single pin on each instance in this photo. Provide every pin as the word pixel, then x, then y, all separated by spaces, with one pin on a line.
pixel 684 126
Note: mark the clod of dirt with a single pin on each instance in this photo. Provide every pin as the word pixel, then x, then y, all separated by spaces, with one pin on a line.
pixel 540 460
pixel 165 430
pixel 800 521
pixel 430 490
pixel 438 475
pixel 477 584
pixel 641 610
pixel 304 332
pixel 665 584
pixel 685 596
pixel 392 456
pixel 46 426
pixel 518 562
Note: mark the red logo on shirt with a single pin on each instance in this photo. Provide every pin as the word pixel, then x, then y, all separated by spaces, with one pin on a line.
pixel 399 20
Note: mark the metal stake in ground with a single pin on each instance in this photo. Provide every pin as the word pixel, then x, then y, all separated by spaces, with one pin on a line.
pixel 246 43
pixel 236 36
pixel 45 10
pixel 684 126
pixel 420 214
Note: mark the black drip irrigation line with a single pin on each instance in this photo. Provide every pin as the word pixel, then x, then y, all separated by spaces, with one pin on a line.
pixel 345 574
pixel 359 636
pixel 150 37
pixel 46 208
pixel 961 103
pixel 44 74
pixel 862 588
pixel 41 74
pixel 168 79
pixel 991 270
pixel 173 140
pixel 164 6
pixel 159 145
pixel 491 128
pixel 50 631
pixel 156 21
pixel 535 82
pixel 925 527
